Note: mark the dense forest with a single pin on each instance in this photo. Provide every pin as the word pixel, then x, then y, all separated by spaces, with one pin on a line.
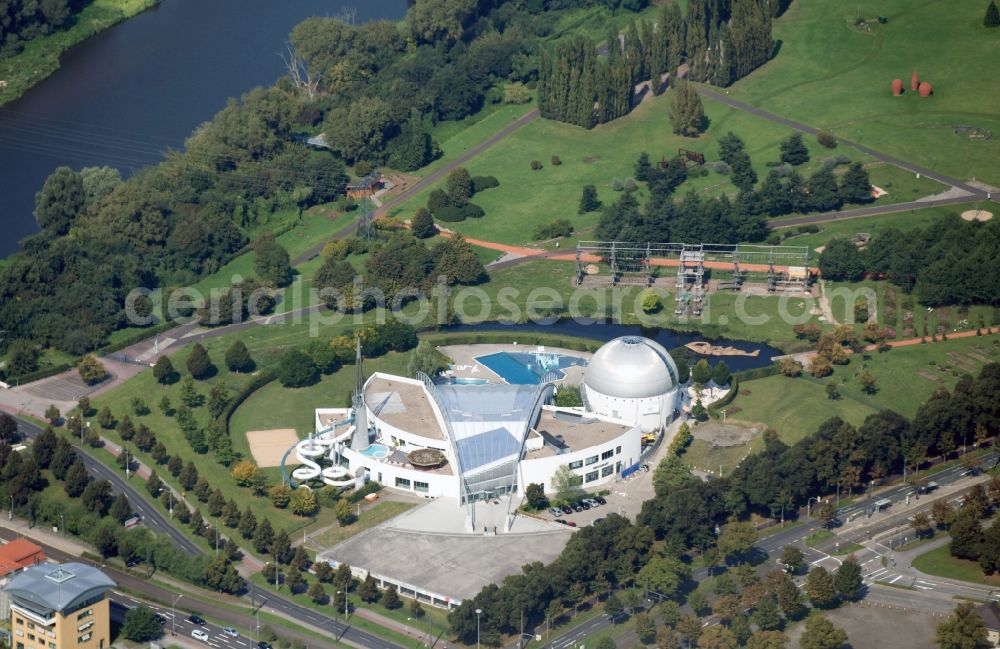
pixel 24 20
pixel 721 41
pixel 373 90
pixel 951 261
pixel 687 513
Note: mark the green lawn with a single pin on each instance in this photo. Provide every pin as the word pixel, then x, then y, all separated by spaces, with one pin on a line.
pixel 834 76
pixel 599 156
pixel 376 515
pixel 940 563
pixel 40 57
pixel 903 221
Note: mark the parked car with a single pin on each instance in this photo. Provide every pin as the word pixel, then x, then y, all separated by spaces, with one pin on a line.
pixel 601 500
pixel 591 502
pixel 577 507
pixel 571 523
pixel 196 619
pixel 198 634
pixel 555 511
pixel 561 521
pixel 566 509
pixel 263 645
pixel 161 619
pixel 231 632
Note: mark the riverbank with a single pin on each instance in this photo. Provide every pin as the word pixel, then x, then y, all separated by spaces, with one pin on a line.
pixel 41 56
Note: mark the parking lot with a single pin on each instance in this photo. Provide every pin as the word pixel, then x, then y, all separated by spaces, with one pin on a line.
pixel 624 497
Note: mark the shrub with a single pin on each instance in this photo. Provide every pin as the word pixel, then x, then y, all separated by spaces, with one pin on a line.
pixel 617 185
pixel 422 224
pixel 453 214
pixel 897 87
pixel 535 165
pixel 91 370
pixel 720 168
pixel 479 183
pixel 828 140
pixel 925 89
pixel 630 185
pixel 555 161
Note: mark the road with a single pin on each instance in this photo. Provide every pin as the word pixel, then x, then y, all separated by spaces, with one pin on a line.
pixel 160 525
pixel 151 517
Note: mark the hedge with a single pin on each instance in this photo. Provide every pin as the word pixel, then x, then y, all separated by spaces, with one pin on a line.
pixel 137 337
pixel 734 388
pixel 759 373
pixel 257 383
pixel 522 337
pixel 39 374
pixel 479 183
pixel 452 214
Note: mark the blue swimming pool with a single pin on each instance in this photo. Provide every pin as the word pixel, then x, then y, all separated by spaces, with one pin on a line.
pixel 377 451
pixel 518 368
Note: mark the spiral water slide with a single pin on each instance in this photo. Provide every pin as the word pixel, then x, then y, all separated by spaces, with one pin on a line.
pixel 314 447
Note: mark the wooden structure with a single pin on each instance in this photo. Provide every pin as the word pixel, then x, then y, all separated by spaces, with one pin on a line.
pixel 365 187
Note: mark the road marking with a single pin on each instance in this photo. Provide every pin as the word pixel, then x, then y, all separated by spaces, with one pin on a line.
pixel 896 578
pixel 922 587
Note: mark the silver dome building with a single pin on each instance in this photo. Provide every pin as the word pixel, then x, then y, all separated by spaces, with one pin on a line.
pixel 633 379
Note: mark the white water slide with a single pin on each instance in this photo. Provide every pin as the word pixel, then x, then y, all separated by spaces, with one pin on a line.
pixel 312 448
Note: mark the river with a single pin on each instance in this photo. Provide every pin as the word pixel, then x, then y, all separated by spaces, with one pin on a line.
pixel 125 96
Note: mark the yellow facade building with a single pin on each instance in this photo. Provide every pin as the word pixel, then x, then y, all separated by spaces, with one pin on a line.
pixel 60 607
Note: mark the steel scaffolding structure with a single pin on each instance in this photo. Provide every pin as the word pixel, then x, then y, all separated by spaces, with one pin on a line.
pixel 637 263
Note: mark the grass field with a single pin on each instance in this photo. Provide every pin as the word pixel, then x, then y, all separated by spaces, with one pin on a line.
pixel 834 76
pixel 902 221
pixel 789 405
pixel 40 57
pixel 526 198
pixel 377 515
pixel 940 563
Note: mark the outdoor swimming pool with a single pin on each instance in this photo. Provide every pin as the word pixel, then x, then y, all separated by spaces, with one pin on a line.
pixel 377 451
pixel 519 368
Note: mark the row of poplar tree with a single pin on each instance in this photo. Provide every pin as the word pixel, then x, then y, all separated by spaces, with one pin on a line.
pixel 721 41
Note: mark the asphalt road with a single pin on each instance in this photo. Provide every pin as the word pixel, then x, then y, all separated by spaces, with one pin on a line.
pixel 151 518
pixel 159 525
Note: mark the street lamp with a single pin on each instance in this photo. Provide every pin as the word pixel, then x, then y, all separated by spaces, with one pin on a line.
pixel 809 505
pixel 62 525
pixel 173 614
pixel 10 516
pixel 479 612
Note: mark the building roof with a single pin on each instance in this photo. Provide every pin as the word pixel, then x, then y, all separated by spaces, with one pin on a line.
pixel 53 587
pixel 990 614
pixel 366 182
pixel 631 367
pixel 19 553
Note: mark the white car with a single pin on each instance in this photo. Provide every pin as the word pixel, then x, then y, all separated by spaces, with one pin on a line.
pixel 555 512
pixel 231 632
pixel 198 634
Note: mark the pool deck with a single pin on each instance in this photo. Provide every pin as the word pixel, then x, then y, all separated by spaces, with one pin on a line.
pixel 466 366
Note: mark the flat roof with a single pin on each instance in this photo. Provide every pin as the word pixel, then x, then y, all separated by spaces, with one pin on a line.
pixel 581 434
pixel 403 405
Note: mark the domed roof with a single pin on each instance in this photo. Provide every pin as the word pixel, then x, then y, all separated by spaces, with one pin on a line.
pixel 631 367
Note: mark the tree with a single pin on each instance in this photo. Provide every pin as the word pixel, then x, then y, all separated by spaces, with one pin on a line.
pixel 867 381
pixel 824 194
pixel 97 498
pixel 832 391
pixel 767 616
pixel 698 602
pixel 42 449
pixel 60 201
pixel 198 363
pixel 613 607
pixel 141 624
pixel 605 643
pixel 737 538
pixel 344 512
pixel 820 587
pixel 76 479
pixel 153 485
pixel 566 484
pixel 188 476
pixel 271 261
pixel 717 637
pixel 263 537
pixel 422 224
pixel 535 495
pixel 921 524
pixel 645 628
pixel 701 373
pixel 303 502
pixel 280 494
pixel 317 593
pixel 368 590
pixel 821 634
pixel 300 560
pixel 120 510
pixel 459 186
pixel 296 369
pixel 963 630
pixel 426 359
pixel 105 541
pixel 390 598
pixel 91 370
pixel 765 639
pixel 721 374
pixel 282 547
pixel 847 579
pixel 992 17
pixel 248 524
pixel 792 558
pixel 794 151
pixel 855 185
pixel 687 115
pixel 242 472
pixel 790 367
pixel 164 371
pixel 22 358
pixel 416 610
pixel 966 535
pixel 106 419
pixel 238 357
pixel 841 261
pixel 589 201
